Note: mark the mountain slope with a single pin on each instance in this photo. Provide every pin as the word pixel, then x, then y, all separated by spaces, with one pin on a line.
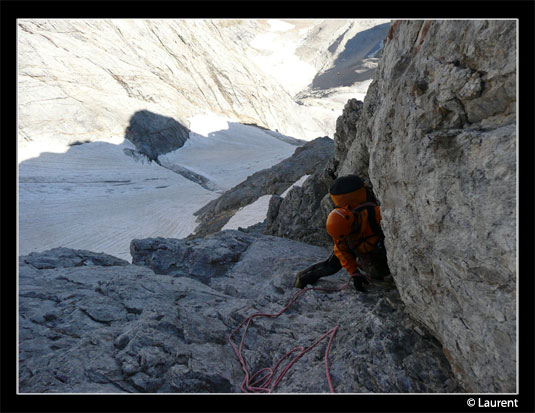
pixel 84 79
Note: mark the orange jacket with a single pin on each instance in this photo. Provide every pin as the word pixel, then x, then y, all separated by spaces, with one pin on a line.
pixel 356 242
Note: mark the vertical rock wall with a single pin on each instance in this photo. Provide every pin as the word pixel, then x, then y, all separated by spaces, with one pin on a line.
pixel 439 128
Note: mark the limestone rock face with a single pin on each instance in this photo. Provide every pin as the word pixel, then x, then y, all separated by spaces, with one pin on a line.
pixel 438 135
pixel 83 80
pixel 162 325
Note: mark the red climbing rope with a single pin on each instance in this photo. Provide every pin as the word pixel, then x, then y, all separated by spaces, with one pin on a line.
pixel 267 382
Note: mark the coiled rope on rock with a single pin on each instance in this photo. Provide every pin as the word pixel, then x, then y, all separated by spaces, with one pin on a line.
pixel 268 380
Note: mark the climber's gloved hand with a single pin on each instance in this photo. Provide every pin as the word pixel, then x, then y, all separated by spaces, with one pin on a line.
pixel 359 280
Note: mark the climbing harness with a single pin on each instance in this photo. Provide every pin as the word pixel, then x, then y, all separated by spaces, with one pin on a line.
pixel 268 380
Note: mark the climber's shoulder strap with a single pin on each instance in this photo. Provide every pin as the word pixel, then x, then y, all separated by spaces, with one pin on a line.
pixel 372 218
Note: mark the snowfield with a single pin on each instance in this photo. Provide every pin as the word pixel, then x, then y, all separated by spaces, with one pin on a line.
pixel 228 152
pixel 95 197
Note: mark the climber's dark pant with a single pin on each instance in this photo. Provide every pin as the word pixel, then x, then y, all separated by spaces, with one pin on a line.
pixel 322 269
pixel 376 264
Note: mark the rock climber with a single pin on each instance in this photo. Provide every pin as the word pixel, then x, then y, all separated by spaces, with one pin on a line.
pixel 354 226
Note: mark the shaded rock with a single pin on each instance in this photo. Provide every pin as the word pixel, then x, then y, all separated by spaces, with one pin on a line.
pixel 83 329
pixel 301 214
pixel 66 257
pixel 181 257
pixel 155 135
pixel 356 62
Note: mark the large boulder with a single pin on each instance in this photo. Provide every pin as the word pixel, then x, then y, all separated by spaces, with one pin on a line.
pixel 154 135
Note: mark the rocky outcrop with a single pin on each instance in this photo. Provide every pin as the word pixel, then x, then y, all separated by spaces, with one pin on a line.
pixel 155 135
pixel 301 214
pixel 273 181
pixel 442 145
pixel 161 325
pixel 436 139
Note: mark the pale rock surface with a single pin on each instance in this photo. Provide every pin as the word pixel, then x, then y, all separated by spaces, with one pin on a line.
pixel 83 80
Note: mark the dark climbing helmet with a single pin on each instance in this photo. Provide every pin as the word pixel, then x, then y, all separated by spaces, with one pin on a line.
pixel 339 223
pixel 348 191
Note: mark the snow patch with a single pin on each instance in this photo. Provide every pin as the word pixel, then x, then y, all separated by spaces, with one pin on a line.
pixel 204 124
pixel 277 25
pixel 257 211
pixel 227 156
pixel 34 149
pixel 250 214
pixel 297 183
pixel 95 197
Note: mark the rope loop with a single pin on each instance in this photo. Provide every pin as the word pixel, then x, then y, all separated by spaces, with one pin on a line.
pixel 268 380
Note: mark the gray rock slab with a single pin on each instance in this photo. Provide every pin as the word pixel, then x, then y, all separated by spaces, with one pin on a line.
pixel 130 329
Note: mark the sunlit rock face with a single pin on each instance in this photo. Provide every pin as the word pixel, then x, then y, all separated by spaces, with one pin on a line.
pixel 83 80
